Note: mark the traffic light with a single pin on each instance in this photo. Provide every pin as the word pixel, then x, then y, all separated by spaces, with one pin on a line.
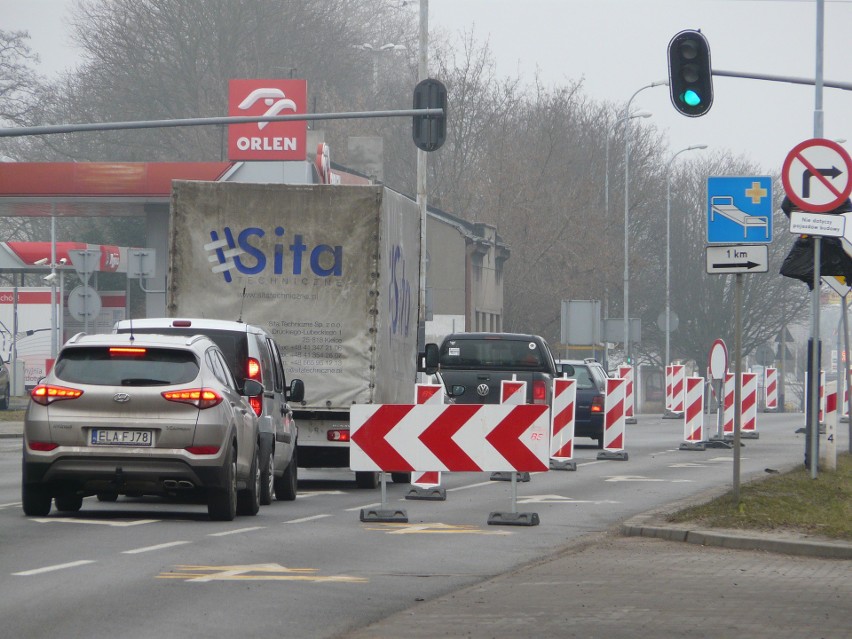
pixel 430 131
pixel 690 77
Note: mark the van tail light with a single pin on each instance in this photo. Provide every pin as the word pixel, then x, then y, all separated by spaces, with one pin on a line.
pixel 202 450
pixel 256 403
pixel 46 394
pixel 199 397
pixel 44 447
pixel 597 404
pixel 539 389
pixel 253 369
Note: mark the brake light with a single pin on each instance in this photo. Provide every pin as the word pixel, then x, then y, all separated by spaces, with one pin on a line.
pixel 202 450
pixel 46 394
pixel 181 323
pixel 338 435
pixel 43 447
pixel 127 350
pixel 539 392
pixel 253 369
pixel 199 397
pixel 597 404
pixel 256 403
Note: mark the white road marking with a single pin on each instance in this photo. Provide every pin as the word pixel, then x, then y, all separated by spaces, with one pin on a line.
pixel 136 551
pixel 38 571
pixel 72 520
pixel 350 510
pixel 10 505
pixel 482 483
pixel 236 532
pixel 559 499
pixel 304 519
pixel 315 493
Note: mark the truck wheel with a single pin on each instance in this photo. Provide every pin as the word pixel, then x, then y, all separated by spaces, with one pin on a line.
pixel 36 500
pixel 222 502
pixel 287 485
pixel 68 503
pixel 248 499
pixel 401 478
pixel 366 479
pixel 267 474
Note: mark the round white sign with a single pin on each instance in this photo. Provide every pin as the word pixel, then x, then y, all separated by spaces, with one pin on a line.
pixel 84 303
pixel 718 361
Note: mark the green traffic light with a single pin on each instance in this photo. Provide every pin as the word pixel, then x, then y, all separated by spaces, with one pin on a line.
pixel 690 98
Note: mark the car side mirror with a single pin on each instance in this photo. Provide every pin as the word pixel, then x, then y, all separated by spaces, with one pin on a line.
pixel 568 370
pixel 252 388
pixel 428 360
pixel 297 390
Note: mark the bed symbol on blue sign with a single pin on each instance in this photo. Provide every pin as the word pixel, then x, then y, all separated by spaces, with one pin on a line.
pixel 739 210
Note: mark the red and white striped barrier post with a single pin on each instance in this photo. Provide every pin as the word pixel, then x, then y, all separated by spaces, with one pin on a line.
pixel 426 485
pixel 626 373
pixel 675 408
pixel 668 405
pixel 693 414
pixel 613 435
pixel 770 389
pixel 828 447
pixel 748 416
pixel 728 411
pixel 821 409
pixel 562 418
pixel 514 393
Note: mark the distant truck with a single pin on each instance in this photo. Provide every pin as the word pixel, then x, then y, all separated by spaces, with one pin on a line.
pixel 331 272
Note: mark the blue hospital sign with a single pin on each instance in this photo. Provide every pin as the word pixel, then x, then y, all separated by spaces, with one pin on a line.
pixel 739 210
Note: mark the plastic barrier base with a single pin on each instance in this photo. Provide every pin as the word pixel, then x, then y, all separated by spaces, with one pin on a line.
pixel 435 493
pixel 692 446
pixel 507 476
pixel 513 519
pixel 718 442
pixel 375 514
pixel 630 420
pixel 615 455
pixel 563 464
pixel 671 415
pixel 750 434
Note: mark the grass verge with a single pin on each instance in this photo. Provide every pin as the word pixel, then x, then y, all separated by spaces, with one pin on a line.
pixel 786 502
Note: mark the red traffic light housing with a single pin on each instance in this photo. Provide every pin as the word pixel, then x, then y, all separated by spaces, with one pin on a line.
pixel 690 75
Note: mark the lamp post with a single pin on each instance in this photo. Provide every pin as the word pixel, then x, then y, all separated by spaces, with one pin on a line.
pixel 376 51
pixel 626 215
pixel 668 243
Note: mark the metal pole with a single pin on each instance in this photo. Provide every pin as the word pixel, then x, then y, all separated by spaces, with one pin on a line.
pixel 54 347
pixel 738 379
pixel 422 74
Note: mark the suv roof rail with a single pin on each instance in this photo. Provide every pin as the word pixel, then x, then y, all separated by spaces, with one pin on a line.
pixel 75 338
pixel 590 359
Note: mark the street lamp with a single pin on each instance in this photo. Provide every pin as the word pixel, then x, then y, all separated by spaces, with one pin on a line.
pixel 626 215
pixel 376 51
pixel 668 243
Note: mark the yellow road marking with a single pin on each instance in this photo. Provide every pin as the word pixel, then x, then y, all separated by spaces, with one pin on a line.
pixel 253 572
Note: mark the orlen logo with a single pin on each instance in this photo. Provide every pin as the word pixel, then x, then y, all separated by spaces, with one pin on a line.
pixel 240 252
pixel 267 140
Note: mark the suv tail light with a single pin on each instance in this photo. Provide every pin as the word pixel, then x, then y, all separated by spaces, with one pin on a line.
pixel 253 369
pixel 199 397
pixel 539 390
pixel 597 404
pixel 256 403
pixel 46 394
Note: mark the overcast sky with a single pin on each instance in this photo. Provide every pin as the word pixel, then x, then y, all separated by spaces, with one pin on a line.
pixel 618 46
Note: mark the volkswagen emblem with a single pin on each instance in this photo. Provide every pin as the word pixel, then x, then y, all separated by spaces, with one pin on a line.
pixel 482 390
pixel 121 397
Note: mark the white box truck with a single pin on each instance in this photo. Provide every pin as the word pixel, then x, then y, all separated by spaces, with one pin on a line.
pixel 332 272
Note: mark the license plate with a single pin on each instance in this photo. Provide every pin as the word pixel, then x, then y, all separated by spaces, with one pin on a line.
pixel 120 437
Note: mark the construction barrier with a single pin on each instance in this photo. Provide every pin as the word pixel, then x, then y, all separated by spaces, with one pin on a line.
pixel 614 435
pixel 748 406
pixel 668 388
pixel 678 376
pixel 770 389
pixel 821 410
pixel 693 414
pixel 562 418
pixel 626 373
pixel 427 484
pixel 728 403
pixel 828 447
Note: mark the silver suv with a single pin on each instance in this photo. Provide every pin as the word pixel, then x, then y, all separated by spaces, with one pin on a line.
pixel 137 415
pixel 251 353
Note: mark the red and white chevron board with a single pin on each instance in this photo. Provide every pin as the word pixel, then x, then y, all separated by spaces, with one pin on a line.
pixel 770 388
pixel 748 417
pixel 626 373
pixel 614 418
pixel 678 375
pixel 513 392
pixel 562 419
pixel 693 414
pixel 428 394
pixel 668 388
pixel 452 437
pixel 728 403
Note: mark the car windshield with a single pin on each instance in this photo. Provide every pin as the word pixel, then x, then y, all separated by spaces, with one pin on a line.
pixel 490 353
pixel 151 367
pixel 582 374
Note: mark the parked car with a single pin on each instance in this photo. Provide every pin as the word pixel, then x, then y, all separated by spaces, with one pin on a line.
pixel 591 388
pixel 4 386
pixel 472 366
pixel 251 353
pixel 139 415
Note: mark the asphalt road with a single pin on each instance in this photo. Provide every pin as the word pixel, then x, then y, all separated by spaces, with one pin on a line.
pixel 311 568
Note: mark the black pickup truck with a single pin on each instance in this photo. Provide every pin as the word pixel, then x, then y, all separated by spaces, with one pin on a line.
pixel 472 365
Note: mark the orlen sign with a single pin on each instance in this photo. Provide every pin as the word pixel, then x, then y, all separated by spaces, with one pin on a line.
pixel 267 140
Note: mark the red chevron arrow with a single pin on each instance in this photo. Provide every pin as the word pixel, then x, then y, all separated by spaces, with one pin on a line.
pixel 506 436
pixel 370 437
pixel 438 437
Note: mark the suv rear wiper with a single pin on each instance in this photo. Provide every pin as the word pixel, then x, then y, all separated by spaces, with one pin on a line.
pixel 142 381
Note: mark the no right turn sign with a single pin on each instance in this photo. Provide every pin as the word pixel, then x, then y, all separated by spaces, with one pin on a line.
pixel 817 175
